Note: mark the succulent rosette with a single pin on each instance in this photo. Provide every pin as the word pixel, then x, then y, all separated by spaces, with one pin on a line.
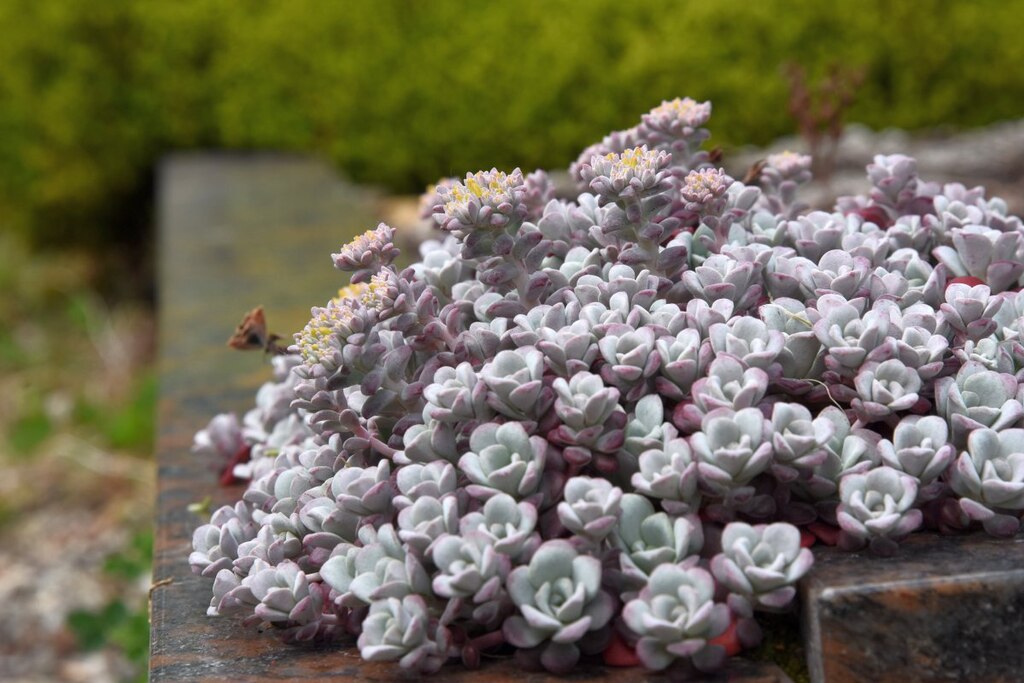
pixel 504 458
pixel 762 563
pixel 669 472
pixel 989 476
pixel 522 440
pixel 403 631
pixel 646 539
pixel 591 508
pixel 675 616
pixel 877 507
pixel 732 449
pixel 920 447
pixel 976 398
pixel 560 600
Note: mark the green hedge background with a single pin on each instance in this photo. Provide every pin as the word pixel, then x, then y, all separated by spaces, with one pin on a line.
pixel 399 93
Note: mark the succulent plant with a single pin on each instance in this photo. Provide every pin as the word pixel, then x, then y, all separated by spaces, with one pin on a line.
pixel 591 508
pixel 728 385
pixel 507 524
pixel 627 177
pixel 703 190
pixel 456 395
pixel 669 472
pixel 221 438
pixel 426 520
pixel 368 253
pixel 732 449
pixel 877 507
pixel 749 340
pixel 364 491
pixel 469 567
pixel 591 417
pixel 989 477
pixel 538 422
pixel 978 398
pixel 848 333
pixel 380 567
pixel 504 458
pixel 402 630
pixel 920 447
pixel 433 480
pixel 721 277
pixel 890 387
pixel 675 616
pixel 762 563
pixel 514 381
pixel 281 595
pixel 684 358
pixel 484 202
pixel 970 310
pixel 837 272
pixel 677 127
pixel 560 600
pixel 630 359
pixel 993 256
pixel 780 178
pixel 215 545
pixel 647 539
pixel 798 440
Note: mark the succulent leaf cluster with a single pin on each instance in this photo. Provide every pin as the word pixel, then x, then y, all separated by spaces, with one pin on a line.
pixel 627 415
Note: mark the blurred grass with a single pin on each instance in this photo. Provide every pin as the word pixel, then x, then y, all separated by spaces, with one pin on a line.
pixel 400 93
pixel 77 405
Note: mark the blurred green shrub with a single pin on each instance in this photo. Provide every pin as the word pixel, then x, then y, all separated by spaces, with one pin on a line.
pixel 400 93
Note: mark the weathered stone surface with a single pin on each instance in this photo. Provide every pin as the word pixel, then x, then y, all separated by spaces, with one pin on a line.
pixel 237 231
pixel 943 609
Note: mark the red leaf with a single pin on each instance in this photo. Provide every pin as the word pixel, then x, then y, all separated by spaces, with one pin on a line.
pixel 826 533
pixel 729 640
pixel 876 215
pixel 968 280
pixel 619 654
pixel 227 476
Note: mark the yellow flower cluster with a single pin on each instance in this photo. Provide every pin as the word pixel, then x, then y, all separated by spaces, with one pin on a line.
pixel 633 163
pixel 351 293
pixel 371 240
pixel 705 184
pixel 687 110
pixel 374 292
pixel 488 187
pixel 314 342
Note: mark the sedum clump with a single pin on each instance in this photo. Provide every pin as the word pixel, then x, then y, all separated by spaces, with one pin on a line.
pixel 625 417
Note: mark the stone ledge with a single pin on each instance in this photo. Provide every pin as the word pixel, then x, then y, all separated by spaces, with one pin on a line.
pixel 944 608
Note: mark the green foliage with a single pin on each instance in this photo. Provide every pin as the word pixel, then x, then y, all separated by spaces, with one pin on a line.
pixel 400 93
pixel 133 560
pixel 115 624
pixel 53 327
pixel 125 626
pixel 129 425
pixel 29 431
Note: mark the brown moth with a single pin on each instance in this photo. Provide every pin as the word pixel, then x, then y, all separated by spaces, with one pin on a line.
pixel 251 334
pixel 754 172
